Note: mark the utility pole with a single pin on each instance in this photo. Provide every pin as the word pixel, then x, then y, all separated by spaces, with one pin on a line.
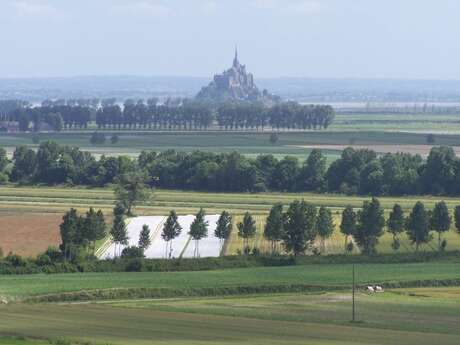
pixel 353 296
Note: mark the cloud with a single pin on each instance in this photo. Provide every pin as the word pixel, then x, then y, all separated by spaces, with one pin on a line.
pixel 301 7
pixel 143 7
pixel 35 8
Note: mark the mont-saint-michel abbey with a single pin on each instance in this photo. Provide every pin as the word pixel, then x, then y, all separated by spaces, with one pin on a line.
pixel 236 83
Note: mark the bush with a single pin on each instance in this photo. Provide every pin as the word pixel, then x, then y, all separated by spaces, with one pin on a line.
pixel 132 252
pixel 135 265
pixel 15 260
pixel 114 139
pixel 54 254
pixel 97 138
pixel 43 260
pixel 274 138
pixel 4 178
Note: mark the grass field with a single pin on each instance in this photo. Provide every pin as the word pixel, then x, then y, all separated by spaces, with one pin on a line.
pixel 59 199
pixel 426 123
pixel 21 286
pixel 256 143
pixel 437 309
pixel 412 317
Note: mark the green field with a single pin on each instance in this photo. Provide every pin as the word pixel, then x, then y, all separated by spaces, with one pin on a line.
pixel 398 122
pixel 408 316
pixel 58 199
pixel 21 286
pixel 247 143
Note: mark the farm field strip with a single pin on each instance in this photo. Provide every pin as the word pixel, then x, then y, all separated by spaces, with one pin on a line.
pixel 437 309
pixel 101 196
pixel 20 286
pixel 108 324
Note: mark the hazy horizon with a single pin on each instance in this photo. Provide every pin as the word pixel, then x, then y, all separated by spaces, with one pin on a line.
pixel 317 39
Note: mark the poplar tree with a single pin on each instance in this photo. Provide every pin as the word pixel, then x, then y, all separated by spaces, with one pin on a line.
pixel 457 218
pixel 198 230
pixel 69 232
pixel 299 227
pixel 247 229
pixel 418 225
pixel 440 220
pixel 144 237
pixel 223 228
pixel 171 230
pixel 395 224
pixel 118 232
pixel 348 224
pixel 273 230
pixel 324 226
pixel 370 226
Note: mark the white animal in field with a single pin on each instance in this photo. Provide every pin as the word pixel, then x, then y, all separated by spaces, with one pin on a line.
pixel 370 289
pixel 378 288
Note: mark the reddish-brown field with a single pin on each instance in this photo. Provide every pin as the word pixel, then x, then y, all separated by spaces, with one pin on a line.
pixel 29 234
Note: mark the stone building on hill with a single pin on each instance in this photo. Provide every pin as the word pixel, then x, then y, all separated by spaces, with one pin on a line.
pixel 234 84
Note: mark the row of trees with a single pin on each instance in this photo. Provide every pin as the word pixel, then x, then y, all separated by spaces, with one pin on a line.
pixel 302 225
pixel 297 229
pixel 355 172
pixel 182 114
pixel 367 225
pixel 287 115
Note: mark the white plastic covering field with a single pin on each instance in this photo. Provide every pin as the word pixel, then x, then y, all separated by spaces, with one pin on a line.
pixel 182 245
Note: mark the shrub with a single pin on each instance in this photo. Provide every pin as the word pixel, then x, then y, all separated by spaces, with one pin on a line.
pixel 135 265
pixel 132 252
pixel 43 260
pixel 15 260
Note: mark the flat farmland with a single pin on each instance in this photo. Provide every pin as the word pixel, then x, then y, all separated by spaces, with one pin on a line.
pixel 318 275
pixel 36 212
pixel 401 316
pixel 249 143
pixel 60 199
pixel 142 326
pixel 422 123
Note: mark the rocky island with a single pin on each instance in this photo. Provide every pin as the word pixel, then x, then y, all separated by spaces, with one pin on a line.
pixel 234 84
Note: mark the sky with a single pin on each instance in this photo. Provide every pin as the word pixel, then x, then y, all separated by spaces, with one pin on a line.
pixel 403 39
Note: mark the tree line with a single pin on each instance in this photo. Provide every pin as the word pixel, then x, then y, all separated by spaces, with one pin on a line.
pixel 299 229
pixel 173 114
pixel 360 172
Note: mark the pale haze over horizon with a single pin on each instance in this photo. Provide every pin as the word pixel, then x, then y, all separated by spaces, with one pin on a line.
pixel 403 39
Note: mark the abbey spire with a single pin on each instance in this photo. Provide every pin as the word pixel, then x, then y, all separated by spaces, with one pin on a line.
pixel 236 63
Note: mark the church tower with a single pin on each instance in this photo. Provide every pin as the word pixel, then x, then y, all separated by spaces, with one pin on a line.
pixel 236 63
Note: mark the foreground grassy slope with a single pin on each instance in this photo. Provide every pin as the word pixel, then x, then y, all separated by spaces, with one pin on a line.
pixel 436 309
pixel 318 275
pixel 284 319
